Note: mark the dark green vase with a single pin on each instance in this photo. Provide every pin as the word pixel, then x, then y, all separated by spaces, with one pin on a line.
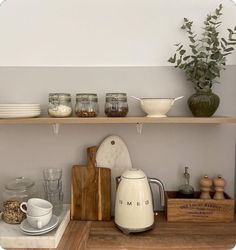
pixel 203 103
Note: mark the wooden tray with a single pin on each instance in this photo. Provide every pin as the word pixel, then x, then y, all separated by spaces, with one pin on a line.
pixel 198 210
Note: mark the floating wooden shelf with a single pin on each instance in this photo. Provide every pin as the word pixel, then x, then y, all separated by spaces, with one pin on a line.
pixel 122 120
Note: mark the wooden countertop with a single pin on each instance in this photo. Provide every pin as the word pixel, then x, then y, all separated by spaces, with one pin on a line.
pixel 81 235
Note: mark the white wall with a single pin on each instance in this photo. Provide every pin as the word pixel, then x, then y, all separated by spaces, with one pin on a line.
pixel 98 32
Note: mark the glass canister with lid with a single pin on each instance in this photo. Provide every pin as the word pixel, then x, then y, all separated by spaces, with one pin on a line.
pixel 59 105
pixel 116 105
pixel 16 191
pixel 86 105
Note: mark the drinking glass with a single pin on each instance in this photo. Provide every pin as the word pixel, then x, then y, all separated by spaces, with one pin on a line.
pixel 52 174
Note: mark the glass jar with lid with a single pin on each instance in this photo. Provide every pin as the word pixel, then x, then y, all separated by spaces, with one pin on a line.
pixel 59 105
pixel 86 105
pixel 16 191
pixel 116 105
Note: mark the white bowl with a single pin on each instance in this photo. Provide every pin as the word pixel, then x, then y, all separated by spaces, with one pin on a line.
pixel 39 221
pixel 157 107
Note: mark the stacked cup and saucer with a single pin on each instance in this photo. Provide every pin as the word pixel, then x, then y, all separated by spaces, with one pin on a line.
pixel 39 217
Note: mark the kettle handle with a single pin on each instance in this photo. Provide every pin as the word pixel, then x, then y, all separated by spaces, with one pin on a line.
pixel 118 179
pixel 161 188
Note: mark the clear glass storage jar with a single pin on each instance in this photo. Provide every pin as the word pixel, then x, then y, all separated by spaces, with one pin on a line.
pixel 86 105
pixel 116 105
pixel 16 191
pixel 59 105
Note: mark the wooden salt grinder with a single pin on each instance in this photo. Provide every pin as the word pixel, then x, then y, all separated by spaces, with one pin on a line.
pixel 219 184
pixel 205 187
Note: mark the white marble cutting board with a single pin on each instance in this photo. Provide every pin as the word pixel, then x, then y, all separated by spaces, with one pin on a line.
pixel 12 237
pixel 113 153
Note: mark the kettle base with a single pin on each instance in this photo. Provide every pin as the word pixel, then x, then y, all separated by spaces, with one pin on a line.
pixel 134 230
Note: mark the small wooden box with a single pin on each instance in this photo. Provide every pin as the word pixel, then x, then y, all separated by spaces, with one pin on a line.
pixel 198 210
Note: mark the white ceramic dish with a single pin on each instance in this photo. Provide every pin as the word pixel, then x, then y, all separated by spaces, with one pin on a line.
pixel 19 108
pixel 36 113
pixel 39 233
pixel 19 105
pixel 39 221
pixel 157 107
pixel 28 229
pixel 20 115
pixel 19 111
pixel 36 207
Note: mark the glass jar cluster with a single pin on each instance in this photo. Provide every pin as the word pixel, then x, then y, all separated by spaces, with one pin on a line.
pixel 60 105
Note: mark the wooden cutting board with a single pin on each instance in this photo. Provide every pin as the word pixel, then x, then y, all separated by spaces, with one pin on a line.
pixel 91 190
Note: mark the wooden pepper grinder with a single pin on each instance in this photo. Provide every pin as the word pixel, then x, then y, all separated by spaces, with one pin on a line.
pixel 219 184
pixel 205 187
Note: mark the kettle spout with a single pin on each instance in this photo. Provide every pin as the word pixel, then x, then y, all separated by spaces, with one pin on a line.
pixel 161 188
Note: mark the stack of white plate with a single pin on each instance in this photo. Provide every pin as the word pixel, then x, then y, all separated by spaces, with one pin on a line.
pixel 19 110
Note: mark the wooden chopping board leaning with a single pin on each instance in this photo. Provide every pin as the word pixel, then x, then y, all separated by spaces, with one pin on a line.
pixel 90 190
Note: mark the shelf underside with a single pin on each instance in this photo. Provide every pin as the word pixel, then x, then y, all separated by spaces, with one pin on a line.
pixel 122 120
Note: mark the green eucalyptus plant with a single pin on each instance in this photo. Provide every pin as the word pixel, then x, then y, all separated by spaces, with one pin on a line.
pixel 206 56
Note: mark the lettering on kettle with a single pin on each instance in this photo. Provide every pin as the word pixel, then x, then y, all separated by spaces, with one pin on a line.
pixel 137 203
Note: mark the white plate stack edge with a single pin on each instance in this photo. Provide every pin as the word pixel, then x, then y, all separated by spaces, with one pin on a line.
pixel 19 110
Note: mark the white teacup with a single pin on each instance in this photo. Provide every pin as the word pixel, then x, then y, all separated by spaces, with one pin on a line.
pixel 36 207
pixel 39 221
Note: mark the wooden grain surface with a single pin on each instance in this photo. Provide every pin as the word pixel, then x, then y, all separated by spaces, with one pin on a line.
pixel 198 210
pixel 122 120
pixel 91 190
pixel 100 235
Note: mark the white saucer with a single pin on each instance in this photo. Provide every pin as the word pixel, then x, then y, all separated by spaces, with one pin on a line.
pixel 28 229
pixel 39 233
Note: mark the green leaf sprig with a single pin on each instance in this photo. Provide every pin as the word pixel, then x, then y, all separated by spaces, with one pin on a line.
pixel 205 57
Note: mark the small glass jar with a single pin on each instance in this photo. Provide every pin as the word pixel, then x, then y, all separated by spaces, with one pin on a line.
pixel 59 105
pixel 116 105
pixel 86 105
pixel 16 191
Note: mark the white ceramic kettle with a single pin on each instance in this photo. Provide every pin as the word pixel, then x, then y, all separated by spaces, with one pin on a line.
pixel 134 201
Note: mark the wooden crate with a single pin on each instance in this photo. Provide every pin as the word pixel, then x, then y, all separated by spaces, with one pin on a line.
pixel 198 210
